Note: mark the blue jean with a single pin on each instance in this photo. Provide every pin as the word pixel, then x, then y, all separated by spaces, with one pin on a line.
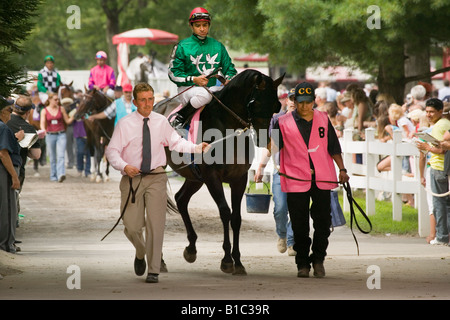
pixel 441 205
pixel 280 212
pixel 56 144
pixel 82 153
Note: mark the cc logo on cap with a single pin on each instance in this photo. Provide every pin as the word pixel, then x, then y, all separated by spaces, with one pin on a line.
pixel 304 90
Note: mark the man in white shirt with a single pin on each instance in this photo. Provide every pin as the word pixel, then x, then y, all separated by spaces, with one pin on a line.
pixel 126 153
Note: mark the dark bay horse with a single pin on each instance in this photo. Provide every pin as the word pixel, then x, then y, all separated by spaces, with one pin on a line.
pixel 99 132
pixel 251 98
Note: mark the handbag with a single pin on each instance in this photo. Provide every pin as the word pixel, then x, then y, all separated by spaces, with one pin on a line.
pixel 337 216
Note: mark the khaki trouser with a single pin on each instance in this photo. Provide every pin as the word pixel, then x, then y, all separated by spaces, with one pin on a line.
pixel 149 212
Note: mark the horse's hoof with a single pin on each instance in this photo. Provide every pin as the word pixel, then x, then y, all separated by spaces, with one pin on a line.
pixel 239 271
pixel 227 267
pixel 98 179
pixel 190 256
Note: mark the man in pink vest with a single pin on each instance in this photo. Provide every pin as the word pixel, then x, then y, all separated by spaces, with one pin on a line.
pixel 308 145
pixel 102 76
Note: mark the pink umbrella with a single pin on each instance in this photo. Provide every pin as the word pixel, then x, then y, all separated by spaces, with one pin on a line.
pixel 140 36
pixel 137 37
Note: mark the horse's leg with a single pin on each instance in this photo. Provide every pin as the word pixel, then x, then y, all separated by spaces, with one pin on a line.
pixel 182 198
pixel 216 190
pixel 107 170
pixel 99 156
pixel 237 191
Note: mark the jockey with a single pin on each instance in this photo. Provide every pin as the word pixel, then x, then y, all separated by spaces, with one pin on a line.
pixel 102 76
pixel 48 78
pixel 192 60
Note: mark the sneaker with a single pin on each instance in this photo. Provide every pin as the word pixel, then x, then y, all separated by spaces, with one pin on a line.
pixel 291 251
pixel 62 178
pixel 281 245
pixel 436 242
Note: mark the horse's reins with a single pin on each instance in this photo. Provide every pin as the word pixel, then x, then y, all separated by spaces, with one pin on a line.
pixel 350 199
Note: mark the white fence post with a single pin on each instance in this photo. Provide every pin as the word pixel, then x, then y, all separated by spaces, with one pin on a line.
pixel 347 163
pixel 371 163
pixel 396 168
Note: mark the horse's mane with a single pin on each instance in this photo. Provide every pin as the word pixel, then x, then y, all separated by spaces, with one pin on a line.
pixel 241 80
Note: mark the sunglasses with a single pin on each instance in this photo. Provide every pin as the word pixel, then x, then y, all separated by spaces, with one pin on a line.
pixel 99 56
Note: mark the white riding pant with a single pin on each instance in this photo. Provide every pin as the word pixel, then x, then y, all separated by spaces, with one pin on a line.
pixel 197 96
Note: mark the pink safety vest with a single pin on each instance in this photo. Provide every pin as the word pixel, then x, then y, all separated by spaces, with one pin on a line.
pixel 294 160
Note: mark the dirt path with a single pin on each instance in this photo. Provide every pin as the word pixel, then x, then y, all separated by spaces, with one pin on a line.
pixel 64 222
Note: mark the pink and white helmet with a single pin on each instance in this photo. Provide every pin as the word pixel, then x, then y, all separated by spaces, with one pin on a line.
pixel 101 55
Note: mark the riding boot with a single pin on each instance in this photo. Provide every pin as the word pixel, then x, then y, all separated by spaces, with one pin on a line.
pixel 183 116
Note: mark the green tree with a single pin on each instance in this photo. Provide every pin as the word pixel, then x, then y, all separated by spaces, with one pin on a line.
pixel 100 20
pixel 15 26
pixel 304 33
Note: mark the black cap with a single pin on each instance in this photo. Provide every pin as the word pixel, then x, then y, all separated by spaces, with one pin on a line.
pixel 304 92
pixel 5 103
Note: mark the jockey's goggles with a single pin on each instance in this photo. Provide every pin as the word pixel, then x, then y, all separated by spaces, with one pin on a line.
pixel 198 16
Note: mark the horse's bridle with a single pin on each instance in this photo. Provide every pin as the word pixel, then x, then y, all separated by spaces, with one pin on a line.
pixel 88 111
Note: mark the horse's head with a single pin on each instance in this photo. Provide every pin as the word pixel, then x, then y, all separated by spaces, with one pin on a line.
pixel 92 102
pixel 65 91
pixel 262 105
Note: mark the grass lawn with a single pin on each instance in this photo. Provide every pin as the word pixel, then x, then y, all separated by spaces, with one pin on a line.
pixel 382 222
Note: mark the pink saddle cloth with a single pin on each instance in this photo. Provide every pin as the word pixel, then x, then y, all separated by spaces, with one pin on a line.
pixel 193 125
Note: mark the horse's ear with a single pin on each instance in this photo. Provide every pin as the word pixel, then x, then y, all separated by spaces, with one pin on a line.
pixel 85 89
pixel 278 81
pixel 259 81
pixel 70 84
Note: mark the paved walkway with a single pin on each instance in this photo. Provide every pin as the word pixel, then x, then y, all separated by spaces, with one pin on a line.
pixel 61 248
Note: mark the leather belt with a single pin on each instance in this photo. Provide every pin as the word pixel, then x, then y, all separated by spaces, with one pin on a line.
pixel 57 132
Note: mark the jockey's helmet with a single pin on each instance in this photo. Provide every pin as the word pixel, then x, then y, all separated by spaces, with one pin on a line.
pixel 101 55
pixel 199 14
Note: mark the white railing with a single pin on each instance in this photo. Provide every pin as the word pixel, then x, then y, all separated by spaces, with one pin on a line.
pixel 366 175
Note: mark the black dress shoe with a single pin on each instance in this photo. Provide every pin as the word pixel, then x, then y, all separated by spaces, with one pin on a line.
pixel 139 266
pixel 152 278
